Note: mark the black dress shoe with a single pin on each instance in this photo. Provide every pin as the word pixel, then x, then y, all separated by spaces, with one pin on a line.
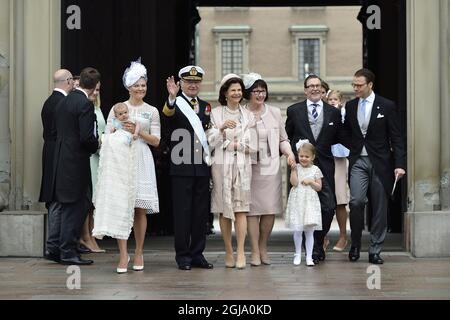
pixel 353 254
pixel 318 255
pixel 184 267
pixel 76 261
pixel 321 254
pixel 202 264
pixel 83 250
pixel 52 257
pixel 375 259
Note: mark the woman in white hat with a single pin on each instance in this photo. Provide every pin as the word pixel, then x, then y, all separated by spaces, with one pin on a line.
pixel 266 174
pixel 230 139
pixel 143 190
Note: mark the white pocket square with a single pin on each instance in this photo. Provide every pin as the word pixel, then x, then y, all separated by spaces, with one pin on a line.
pixel 331 124
pixel 379 116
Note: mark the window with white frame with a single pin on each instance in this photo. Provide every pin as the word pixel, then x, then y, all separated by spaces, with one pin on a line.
pixel 232 56
pixel 308 50
pixel 308 57
pixel 231 49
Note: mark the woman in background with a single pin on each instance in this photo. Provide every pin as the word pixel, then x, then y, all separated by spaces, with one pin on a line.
pixel 86 238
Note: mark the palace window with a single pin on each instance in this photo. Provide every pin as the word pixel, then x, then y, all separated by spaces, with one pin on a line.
pixel 308 50
pixel 231 50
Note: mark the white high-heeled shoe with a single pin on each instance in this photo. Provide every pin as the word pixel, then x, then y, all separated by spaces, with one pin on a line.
pixel 139 268
pixel 123 270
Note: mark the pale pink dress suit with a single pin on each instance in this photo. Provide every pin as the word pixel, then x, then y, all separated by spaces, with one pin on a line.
pixel 266 189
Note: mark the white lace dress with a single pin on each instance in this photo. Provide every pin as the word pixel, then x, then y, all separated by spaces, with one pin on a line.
pixel 303 207
pixel 127 178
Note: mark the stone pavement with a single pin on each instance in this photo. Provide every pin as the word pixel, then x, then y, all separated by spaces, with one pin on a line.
pixel 401 277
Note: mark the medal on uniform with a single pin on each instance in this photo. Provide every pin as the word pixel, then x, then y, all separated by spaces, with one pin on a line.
pixel 208 110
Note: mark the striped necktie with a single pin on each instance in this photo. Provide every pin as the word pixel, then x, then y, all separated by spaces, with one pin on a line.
pixel 314 111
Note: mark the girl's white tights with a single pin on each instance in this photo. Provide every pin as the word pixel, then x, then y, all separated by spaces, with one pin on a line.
pixel 309 242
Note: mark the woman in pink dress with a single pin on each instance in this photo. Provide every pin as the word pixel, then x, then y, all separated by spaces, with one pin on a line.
pixel 266 192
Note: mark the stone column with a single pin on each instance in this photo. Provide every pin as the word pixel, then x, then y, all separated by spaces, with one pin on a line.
pixel 5 169
pixel 16 97
pixel 426 225
pixel 445 104
pixel 35 38
pixel 423 105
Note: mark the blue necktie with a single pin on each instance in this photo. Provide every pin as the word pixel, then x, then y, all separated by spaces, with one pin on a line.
pixel 362 116
pixel 362 108
pixel 314 111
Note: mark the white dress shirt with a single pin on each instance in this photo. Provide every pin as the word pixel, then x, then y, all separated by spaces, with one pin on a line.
pixel 61 91
pixel 319 107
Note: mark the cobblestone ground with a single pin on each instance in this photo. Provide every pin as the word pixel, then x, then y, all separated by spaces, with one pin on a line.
pixel 401 277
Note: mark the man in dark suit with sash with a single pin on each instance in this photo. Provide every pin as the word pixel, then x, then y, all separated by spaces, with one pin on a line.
pixel 321 124
pixel 76 140
pixel 376 148
pixel 189 118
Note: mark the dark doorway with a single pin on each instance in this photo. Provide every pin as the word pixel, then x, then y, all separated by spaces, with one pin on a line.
pixel 115 32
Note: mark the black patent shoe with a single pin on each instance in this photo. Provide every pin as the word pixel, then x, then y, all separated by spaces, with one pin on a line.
pixel 76 261
pixel 353 254
pixel 375 259
pixel 52 257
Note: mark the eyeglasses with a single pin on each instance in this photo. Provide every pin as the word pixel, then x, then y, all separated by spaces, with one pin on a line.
pixel 359 86
pixel 314 86
pixel 259 92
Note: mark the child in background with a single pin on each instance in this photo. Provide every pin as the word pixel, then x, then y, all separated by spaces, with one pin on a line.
pixel 303 213
pixel 340 153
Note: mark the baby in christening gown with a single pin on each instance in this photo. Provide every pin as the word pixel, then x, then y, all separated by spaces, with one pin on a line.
pixel 120 117
pixel 115 193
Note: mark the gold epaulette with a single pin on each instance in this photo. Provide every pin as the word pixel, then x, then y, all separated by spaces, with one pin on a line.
pixel 168 112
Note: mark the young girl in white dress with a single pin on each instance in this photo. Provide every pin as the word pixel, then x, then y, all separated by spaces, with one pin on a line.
pixel 303 212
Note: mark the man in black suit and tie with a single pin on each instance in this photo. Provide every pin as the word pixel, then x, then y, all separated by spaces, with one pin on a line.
pixel 189 118
pixel 376 146
pixel 321 124
pixel 76 140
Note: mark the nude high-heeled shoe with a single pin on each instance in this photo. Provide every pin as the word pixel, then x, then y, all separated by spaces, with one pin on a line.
pixel 240 262
pixel 229 261
pixel 340 248
pixel 256 260
pixel 123 270
pixel 265 258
